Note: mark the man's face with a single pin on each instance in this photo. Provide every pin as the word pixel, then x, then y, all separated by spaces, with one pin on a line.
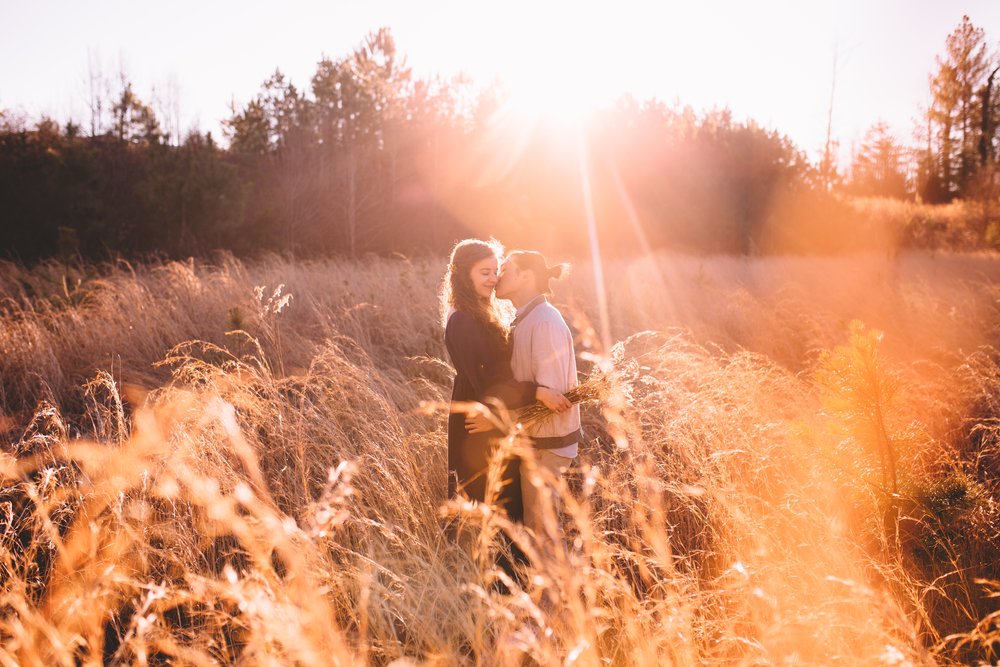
pixel 509 280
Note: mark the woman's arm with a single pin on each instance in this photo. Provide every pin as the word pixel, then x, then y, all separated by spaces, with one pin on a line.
pixel 475 357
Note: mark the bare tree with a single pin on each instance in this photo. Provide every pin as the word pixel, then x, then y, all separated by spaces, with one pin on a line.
pixel 827 166
pixel 98 91
pixel 166 102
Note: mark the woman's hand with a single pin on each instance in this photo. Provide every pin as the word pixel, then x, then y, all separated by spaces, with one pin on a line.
pixel 552 399
pixel 479 420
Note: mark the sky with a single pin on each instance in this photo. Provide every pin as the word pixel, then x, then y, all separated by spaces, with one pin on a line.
pixel 771 61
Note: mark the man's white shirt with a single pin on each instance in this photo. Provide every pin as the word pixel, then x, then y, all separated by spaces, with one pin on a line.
pixel 542 352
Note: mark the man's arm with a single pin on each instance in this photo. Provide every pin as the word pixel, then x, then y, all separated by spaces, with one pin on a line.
pixel 550 398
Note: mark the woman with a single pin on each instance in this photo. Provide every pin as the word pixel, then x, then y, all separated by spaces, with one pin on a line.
pixel 476 339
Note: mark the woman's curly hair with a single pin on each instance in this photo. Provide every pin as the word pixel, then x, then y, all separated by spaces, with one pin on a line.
pixel 458 292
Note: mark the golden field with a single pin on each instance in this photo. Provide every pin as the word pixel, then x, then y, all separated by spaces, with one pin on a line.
pixel 244 463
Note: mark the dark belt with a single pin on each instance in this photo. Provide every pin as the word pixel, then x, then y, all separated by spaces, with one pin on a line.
pixel 557 441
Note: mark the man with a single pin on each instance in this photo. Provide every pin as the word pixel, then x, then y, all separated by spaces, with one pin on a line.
pixel 542 353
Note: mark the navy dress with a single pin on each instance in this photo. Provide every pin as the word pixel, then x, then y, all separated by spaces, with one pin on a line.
pixel 482 369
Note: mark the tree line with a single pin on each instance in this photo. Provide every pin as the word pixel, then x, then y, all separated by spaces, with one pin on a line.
pixel 956 138
pixel 370 158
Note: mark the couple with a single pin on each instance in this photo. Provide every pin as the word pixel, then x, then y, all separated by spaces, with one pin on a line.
pixel 531 360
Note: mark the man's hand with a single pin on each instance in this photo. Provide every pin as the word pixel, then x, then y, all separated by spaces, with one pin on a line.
pixel 479 421
pixel 552 399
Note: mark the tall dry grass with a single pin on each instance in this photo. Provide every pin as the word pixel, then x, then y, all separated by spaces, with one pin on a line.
pixel 238 462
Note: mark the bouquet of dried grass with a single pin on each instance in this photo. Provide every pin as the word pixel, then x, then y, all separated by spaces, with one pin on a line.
pixel 594 388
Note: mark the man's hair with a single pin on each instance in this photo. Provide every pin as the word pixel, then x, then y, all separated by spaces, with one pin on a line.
pixel 530 260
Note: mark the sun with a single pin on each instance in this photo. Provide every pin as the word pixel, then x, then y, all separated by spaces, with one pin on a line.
pixel 560 96
pixel 550 69
pixel 556 68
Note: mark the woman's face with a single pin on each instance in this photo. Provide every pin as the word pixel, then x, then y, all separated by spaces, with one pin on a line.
pixel 484 276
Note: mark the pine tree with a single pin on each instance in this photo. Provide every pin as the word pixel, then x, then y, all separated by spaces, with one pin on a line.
pixel 134 120
pixel 878 166
pixel 954 110
pixel 359 100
